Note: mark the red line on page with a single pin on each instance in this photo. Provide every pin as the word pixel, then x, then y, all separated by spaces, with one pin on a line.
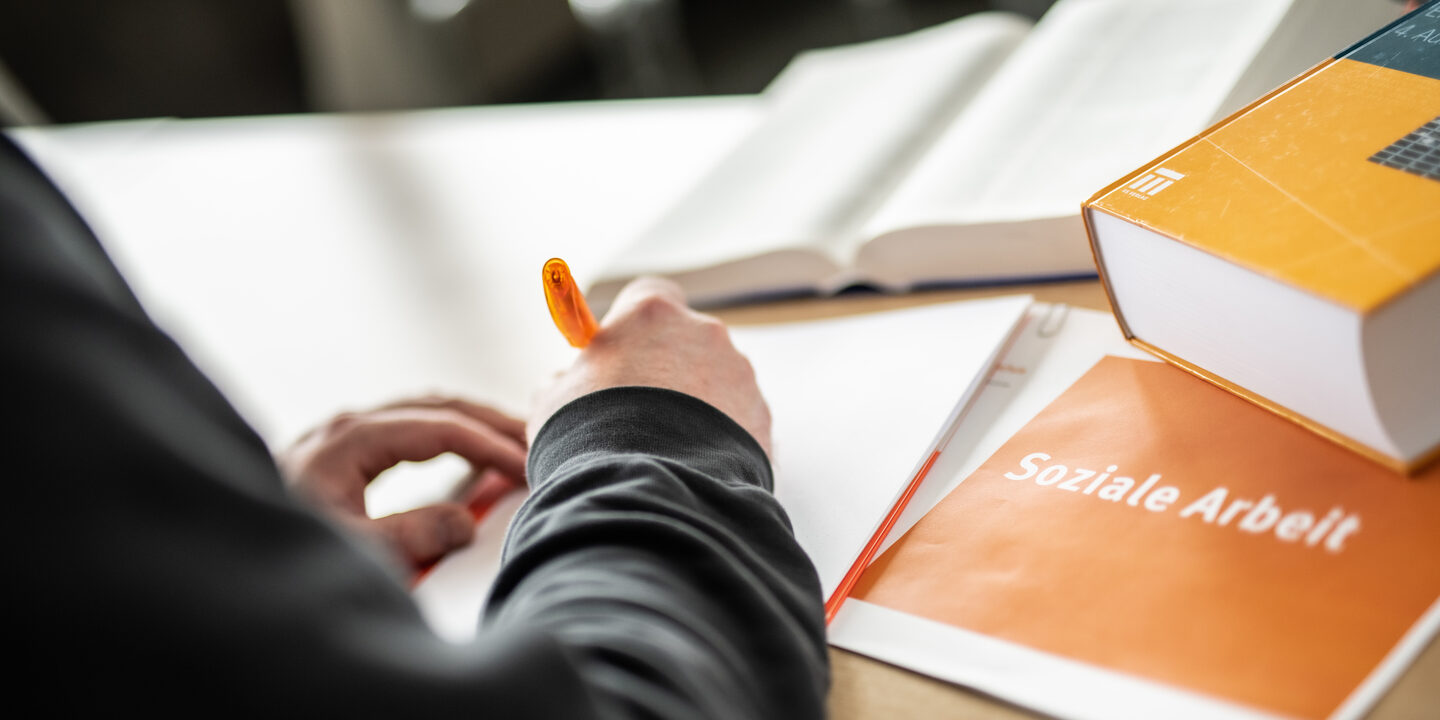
pixel 852 576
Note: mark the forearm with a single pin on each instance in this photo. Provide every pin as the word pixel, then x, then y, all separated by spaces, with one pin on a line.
pixel 654 549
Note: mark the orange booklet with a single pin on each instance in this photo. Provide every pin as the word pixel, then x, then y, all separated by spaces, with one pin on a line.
pixel 1151 528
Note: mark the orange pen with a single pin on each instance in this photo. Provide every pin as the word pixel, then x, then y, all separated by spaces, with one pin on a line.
pixel 567 305
pixel 572 315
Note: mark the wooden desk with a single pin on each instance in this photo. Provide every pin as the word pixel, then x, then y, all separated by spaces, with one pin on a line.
pixel 866 689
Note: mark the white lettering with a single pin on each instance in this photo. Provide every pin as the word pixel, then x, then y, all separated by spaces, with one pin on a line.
pixel 1096 483
pixel 1262 517
pixel 1073 484
pixel 1237 506
pixel 1159 500
pixel 1028 462
pixel 1322 527
pixel 1294 525
pixel 1348 526
pixel 1208 507
pixel 1134 500
pixel 1115 491
pixel 1051 475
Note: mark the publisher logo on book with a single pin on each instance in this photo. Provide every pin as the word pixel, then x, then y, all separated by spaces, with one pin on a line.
pixel 1151 183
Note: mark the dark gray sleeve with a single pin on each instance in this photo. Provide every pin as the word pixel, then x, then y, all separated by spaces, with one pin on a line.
pixel 652 546
pixel 157 563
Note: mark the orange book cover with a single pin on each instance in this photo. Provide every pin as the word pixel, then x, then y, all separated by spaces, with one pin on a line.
pixel 1330 183
pixel 1155 526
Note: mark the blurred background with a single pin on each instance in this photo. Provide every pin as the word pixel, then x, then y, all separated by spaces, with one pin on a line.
pixel 66 61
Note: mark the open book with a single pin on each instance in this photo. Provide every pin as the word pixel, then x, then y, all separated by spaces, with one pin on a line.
pixel 961 153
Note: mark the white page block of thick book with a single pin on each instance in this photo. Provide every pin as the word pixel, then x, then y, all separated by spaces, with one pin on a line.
pixel 857 404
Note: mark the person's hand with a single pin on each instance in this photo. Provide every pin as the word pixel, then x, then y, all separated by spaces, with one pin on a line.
pixel 649 337
pixel 332 464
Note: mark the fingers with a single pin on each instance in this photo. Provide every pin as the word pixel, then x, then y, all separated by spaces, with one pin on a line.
pixel 505 424
pixel 647 314
pixel 373 442
pixel 485 489
pixel 333 464
pixel 641 291
pixel 426 534
pixel 652 338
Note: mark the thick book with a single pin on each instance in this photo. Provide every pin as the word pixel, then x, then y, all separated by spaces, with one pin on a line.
pixel 1291 253
pixel 960 154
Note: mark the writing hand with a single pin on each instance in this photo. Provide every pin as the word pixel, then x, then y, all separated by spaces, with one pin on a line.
pixel 649 337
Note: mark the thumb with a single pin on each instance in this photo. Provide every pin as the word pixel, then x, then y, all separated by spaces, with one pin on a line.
pixel 426 534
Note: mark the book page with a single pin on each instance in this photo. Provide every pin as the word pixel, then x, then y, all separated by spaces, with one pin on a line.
pixel 1098 88
pixel 839 120
pixel 1150 545
pixel 858 403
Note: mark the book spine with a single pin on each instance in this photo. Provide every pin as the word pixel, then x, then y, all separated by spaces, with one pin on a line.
pixel 1100 270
